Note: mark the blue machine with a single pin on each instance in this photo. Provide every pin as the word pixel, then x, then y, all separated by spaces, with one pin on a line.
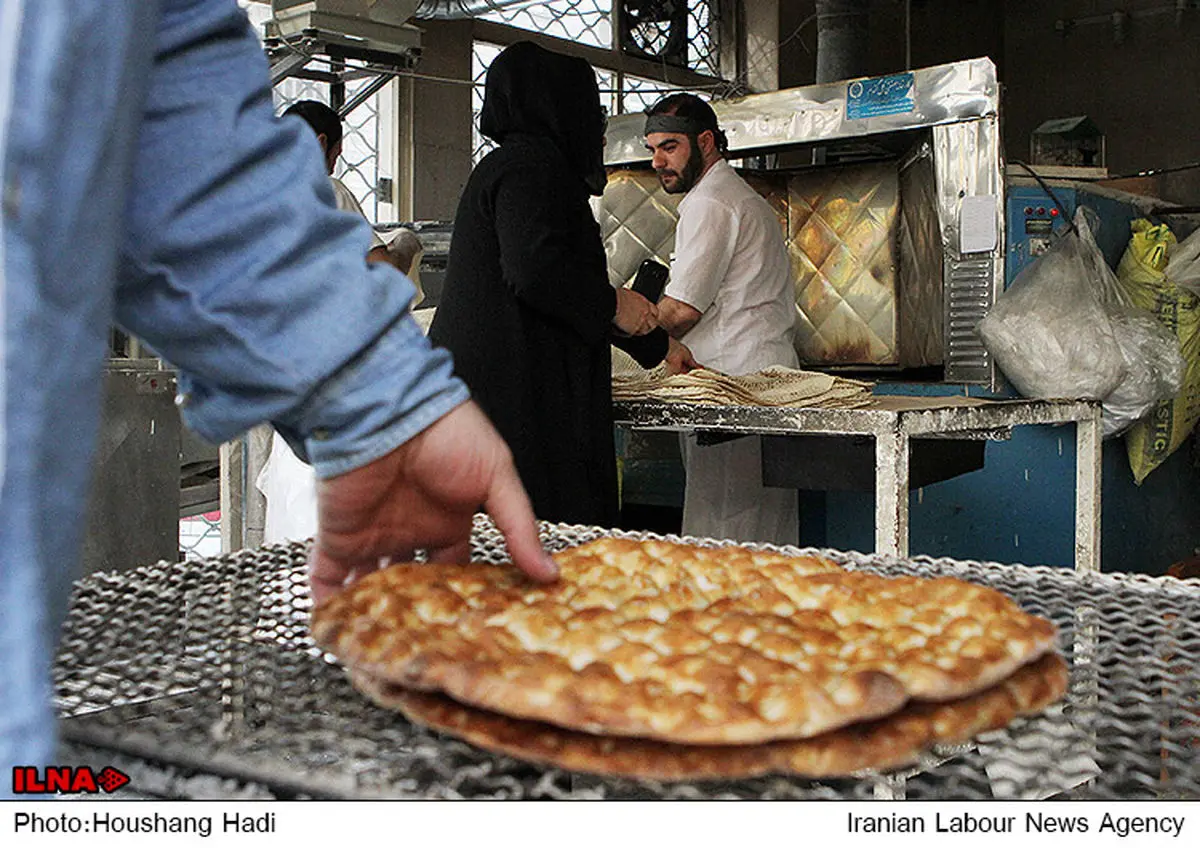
pixel 1020 506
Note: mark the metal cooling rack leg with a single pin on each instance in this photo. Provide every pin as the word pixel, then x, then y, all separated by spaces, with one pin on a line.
pixel 1085 680
pixel 891 491
pixel 1087 493
pixel 890 787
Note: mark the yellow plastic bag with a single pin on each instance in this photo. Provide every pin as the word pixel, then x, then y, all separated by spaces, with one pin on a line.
pixel 1141 274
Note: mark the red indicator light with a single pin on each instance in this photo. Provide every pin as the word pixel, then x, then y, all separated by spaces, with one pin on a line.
pixel 1054 213
pixel 1041 210
pixel 1028 210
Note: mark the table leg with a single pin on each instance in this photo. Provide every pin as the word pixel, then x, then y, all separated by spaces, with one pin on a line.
pixel 891 493
pixel 1087 494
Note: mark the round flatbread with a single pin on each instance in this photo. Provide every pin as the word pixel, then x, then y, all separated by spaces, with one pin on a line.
pixel 681 643
pixel 887 743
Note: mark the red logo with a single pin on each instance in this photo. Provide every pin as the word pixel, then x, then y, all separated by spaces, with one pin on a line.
pixel 58 779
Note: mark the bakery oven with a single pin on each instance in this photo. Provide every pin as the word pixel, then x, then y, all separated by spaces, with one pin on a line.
pixel 889 192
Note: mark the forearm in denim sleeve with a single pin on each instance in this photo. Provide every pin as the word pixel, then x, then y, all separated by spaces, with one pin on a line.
pixel 238 269
pixel 384 397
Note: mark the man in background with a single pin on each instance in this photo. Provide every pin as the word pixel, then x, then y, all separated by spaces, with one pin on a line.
pixel 730 300
pixel 328 128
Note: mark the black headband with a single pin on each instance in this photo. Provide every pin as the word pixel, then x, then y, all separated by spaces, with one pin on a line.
pixel 675 124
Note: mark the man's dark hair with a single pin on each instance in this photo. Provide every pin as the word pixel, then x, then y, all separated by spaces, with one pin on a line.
pixel 694 109
pixel 323 120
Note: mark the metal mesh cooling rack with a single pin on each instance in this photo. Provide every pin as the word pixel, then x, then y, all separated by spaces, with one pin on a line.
pixel 208 666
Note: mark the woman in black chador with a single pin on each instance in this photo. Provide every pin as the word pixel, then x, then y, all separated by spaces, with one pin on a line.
pixel 527 309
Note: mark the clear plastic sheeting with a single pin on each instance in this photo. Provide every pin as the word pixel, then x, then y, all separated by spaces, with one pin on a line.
pixel 1066 329
pixel 1154 369
pixel 1050 333
pixel 207 667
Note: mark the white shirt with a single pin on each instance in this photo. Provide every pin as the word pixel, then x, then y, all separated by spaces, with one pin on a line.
pixel 347 202
pixel 732 266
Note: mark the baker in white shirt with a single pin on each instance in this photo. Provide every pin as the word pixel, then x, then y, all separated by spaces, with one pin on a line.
pixel 730 299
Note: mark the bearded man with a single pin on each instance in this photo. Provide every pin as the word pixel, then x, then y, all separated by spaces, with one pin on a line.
pixel 730 301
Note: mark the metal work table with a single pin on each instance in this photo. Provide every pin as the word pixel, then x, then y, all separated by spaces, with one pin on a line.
pixel 894 420
pixel 204 671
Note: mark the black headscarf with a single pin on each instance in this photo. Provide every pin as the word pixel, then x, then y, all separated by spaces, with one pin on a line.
pixel 533 91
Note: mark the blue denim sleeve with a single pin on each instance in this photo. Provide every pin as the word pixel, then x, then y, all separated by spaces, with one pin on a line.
pixel 238 268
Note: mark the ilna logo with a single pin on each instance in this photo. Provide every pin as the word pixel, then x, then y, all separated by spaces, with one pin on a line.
pixel 28 780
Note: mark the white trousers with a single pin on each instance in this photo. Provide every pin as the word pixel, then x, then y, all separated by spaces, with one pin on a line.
pixel 290 487
pixel 725 498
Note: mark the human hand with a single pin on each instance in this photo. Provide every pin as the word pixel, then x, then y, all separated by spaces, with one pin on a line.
pixel 423 495
pixel 679 359
pixel 635 315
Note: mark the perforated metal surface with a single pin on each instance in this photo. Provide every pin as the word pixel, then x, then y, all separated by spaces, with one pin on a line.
pixel 841 230
pixel 208 666
pixel 841 239
pixel 637 222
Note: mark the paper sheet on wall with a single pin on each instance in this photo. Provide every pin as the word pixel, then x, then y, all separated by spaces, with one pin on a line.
pixel 977 224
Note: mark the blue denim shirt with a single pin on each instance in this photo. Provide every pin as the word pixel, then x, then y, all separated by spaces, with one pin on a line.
pixel 145 179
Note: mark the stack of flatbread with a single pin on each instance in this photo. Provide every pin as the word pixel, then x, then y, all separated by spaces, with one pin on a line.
pixel 657 660
pixel 776 386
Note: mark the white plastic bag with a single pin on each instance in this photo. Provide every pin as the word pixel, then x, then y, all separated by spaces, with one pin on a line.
pixel 1066 328
pixel 1049 332
pixel 1153 369
pixel 1183 263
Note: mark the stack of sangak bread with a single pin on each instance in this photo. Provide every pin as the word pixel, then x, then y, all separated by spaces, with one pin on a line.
pixel 665 661
pixel 775 386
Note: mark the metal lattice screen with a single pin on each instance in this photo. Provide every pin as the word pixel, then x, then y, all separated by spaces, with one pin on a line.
pixel 639 94
pixel 363 140
pixel 200 536
pixel 482 55
pixel 358 165
pixel 581 21
pixel 589 22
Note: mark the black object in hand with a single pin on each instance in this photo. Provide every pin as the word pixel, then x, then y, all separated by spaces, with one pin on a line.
pixel 651 279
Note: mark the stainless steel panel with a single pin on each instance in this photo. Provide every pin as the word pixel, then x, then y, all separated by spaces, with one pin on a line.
pixel 969 286
pixel 919 291
pixel 839 225
pixel 968 162
pixel 943 94
pixel 637 220
pixel 926 313
pixel 879 273
pixel 841 238
pixel 133 514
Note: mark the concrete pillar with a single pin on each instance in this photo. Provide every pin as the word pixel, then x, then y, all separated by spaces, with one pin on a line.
pixel 435 124
pixel 258 450
pixel 233 477
pixel 842 33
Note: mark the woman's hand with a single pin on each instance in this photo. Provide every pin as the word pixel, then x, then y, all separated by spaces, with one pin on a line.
pixel 635 315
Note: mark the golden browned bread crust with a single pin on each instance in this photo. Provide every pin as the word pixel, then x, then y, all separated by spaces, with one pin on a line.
pixel 886 743
pixel 680 643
